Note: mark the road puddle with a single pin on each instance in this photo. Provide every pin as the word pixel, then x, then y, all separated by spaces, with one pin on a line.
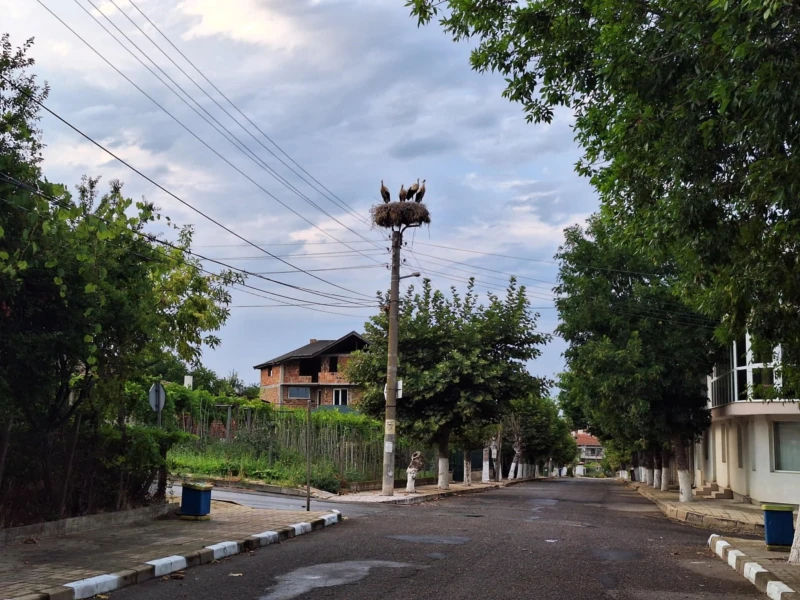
pixel 301 581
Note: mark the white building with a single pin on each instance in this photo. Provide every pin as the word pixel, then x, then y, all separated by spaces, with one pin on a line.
pixel 753 445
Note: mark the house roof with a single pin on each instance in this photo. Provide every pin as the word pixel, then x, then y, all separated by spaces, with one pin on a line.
pixel 310 350
pixel 585 439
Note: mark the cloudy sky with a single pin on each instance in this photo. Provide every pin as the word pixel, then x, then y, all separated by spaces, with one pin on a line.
pixel 354 93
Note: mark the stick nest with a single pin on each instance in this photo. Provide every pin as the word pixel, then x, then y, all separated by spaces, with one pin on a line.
pixel 397 214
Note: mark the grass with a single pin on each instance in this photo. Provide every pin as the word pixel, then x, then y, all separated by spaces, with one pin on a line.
pixel 240 460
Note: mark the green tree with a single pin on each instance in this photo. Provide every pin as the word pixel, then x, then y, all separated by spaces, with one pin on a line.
pixel 637 356
pixel 461 363
pixel 88 298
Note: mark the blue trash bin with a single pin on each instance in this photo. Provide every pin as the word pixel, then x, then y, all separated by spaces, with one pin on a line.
pixel 196 501
pixel 778 524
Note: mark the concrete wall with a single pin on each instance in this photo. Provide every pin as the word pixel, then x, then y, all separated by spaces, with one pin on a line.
pixel 756 479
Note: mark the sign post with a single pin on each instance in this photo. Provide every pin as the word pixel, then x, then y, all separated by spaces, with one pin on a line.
pixel 158 398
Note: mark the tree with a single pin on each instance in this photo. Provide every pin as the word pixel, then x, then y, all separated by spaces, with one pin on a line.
pixel 88 299
pixel 461 363
pixel 637 356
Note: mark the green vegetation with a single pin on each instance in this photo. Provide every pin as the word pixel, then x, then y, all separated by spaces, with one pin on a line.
pixel 89 302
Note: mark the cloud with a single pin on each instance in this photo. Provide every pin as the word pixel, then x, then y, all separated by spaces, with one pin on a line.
pixel 354 92
pixel 422 146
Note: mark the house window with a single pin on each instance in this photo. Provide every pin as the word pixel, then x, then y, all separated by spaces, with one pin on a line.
pixel 333 364
pixel 340 397
pixel 299 393
pixel 786 437
pixel 739 446
pixel 269 371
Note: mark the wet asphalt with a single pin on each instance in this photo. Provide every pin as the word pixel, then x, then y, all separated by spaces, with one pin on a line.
pixel 561 539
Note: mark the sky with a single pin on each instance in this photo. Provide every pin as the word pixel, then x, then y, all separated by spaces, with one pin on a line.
pixel 349 93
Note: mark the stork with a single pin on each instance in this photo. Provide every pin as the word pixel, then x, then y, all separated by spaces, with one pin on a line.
pixel 421 191
pixel 412 189
pixel 402 193
pixel 385 193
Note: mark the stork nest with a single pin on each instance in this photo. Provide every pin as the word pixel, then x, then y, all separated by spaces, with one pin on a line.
pixel 397 214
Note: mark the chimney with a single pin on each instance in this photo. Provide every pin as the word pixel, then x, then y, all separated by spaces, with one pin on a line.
pixel 312 341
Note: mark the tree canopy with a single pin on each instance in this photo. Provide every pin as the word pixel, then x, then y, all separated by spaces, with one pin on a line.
pixel 461 362
pixel 687 114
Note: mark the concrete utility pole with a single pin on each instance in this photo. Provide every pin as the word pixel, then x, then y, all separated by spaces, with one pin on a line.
pixel 397 216
pixel 387 488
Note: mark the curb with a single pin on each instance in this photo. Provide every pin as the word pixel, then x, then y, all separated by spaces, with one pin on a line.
pixel 439 495
pixel 686 515
pixel 762 578
pixel 101 584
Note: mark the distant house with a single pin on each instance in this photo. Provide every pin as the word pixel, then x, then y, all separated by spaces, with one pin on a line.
pixel 589 447
pixel 314 372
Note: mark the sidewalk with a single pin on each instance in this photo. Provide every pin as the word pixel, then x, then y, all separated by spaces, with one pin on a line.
pixel 765 569
pixel 426 493
pixel 84 564
pixel 727 515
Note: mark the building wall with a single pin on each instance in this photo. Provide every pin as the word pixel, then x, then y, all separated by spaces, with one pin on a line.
pixel 267 379
pixel 325 376
pixel 291 373
pixel 270 394
pixel 757 479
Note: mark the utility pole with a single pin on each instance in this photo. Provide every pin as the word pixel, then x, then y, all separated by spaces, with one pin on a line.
pixel 387 488
pixel 391 369
pixel 308 455
pixel 397 216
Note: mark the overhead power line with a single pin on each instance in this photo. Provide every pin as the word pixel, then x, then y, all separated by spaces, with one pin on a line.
pixel 217 125
pixel 150 237
pixel 229 101
pixel 165 190
pixel 192 133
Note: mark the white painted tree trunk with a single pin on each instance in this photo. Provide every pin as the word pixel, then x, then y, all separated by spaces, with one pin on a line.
pixel 550 468
pixel 485 473
pixel 524 471
pixel 467 468
pixel 685 481
pixel 684 476
pixel 444 473
pixel 498 464
pixel 648 477
pixel 536 470
pixel 657 478
pixel 512 470
pixel 794 555
pixel 665 471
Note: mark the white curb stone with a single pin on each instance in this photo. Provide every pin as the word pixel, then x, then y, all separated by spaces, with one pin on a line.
pixel 775 589
pixel 719 545
pixel 751 569
pixel 167 565
pixel 224 549
pixel 86 588
pixel 301 528
pixel 330 519
pixel 267 537
pixel 732 554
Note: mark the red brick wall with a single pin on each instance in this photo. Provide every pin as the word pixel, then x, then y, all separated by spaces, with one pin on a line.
pixel 296 402
pixel 270 394
pixel 291 374
pixel 326 376
pixel 275 378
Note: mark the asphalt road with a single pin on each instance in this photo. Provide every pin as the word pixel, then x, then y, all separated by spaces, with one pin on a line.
pixel 281 502
pixel 562 539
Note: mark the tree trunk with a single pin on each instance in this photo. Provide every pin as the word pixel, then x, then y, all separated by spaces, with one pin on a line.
pixel 5 442
pixel 485 473
pixel 550 468
pixel 498 464
pixel 467 468
pixel 634 466
pixel 794 555
pixel 665 471
pixel 444 464
pixel 648 468
pixel 657 469
pixel 512 470
pixel 684 476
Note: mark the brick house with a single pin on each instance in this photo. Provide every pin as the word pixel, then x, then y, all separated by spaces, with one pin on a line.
pixel 313 371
